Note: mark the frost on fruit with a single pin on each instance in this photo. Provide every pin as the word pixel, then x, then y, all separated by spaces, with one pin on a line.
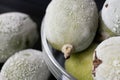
pixel 26 65
pixel 110 19
pixel 1 77
pixel 71 22
pixel 17 31
pixel 106 62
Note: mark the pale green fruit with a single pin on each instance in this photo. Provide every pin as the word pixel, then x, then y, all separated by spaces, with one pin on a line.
pixel 1 77
pixel 26 65
pixel 80 64
pixel 107 60
pixel 70 25
pixel 110 19
pixel 17 31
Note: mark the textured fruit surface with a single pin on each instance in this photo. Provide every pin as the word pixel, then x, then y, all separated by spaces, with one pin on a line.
pixel 80 64
pixel 71 22
pixel 110 18
pixel 109 53
pixel 1 77
pixel 25 65
pixel 17 31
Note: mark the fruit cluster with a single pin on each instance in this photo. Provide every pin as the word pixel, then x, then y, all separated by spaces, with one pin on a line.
pixel 71 27
pixel 18 34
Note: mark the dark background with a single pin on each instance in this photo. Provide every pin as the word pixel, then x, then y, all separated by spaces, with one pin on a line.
pixel 36 9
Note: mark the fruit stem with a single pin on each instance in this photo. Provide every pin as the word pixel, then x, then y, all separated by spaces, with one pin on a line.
pixel 67 50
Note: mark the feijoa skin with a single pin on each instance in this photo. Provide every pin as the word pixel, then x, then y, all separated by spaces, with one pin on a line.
pixel 106 60
pixel 26 65
pixel 110 19
pixel 79 65
pixel 70 25
pixel 17 31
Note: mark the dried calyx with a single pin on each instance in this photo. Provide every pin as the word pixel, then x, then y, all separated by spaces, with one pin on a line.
pixel 96 63
pixel 67 50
